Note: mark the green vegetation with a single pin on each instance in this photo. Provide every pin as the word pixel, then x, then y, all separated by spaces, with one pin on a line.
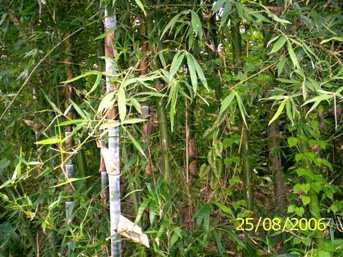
pixel 226 111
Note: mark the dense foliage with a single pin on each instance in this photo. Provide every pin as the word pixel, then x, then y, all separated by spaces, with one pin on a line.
pixel 245 122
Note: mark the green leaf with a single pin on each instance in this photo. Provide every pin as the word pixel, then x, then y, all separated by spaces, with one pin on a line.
pixel 106 102
pixel 324 254
pixel 301 188
pixel 200 73
pixel 292 55
pixel 176 63
pixel 305 199
pixel 136 105
pixel 132 121
pixel 241 108
pixel 192 72
pixel 79 110
pixel 50 141
pixel 292 141
pixel 226 102
pixel 70 180
pixel 316 101
pixel 136 144
pixel 339 39
pixel 278 112
pixel 86 74
pixel 140 5
pixel 121 103
pixel 278 44
pixel 172 22
pixel 95 85
pixel 196 24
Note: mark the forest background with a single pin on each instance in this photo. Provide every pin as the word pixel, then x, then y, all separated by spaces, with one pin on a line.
pixel 227 109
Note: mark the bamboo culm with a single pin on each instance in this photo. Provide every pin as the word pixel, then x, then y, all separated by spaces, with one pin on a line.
pixel 113 139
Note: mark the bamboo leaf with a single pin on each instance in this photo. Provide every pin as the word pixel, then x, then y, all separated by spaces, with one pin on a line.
pixel 171 23
pixel 316 101
pixel 278 44
pixel 241 108
pixel 79 110
pixel 121 103
pixel 176 63
pixel 192 72
pixel 71 122
pixel 278 112
pixel 136 105
pixel 86 74
pixel 226 102
pixel 200 73
pixel 132 121
pixel 339 39
pixel 50 141
pixel 136 144
pixel 70 180
pixel 53 105
pixel 292 55
pixel 196 24
pixel 140 5
pixel 106 102
pixel 95 85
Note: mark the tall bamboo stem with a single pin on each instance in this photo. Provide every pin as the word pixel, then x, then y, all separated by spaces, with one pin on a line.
pixel 164 140
pixel 69 167
pixel 237 61
pixel 113 137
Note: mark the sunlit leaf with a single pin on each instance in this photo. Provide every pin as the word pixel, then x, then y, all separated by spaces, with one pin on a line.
pixel 278 111
pixel 121 103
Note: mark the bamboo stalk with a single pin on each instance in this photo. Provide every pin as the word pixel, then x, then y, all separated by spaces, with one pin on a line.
pixel 164 140
pixel 276 167
pixel 69 167
pixel 237 62
pixel 113 139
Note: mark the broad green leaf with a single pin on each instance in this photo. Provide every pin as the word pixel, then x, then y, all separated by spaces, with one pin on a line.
pixel 121 103
pixel 278 44
pixel 292 141
pixel 50 141
pixel 305 199
pixel 278 111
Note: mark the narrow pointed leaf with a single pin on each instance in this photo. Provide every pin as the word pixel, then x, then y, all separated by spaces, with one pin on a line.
pixel 278 112
pixel 121 104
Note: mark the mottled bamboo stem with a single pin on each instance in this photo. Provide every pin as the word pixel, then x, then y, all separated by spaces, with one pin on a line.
pixel 113 137
pixel 68 167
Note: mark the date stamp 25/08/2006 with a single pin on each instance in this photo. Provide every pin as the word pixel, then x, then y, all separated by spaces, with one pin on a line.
pixel 287 224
